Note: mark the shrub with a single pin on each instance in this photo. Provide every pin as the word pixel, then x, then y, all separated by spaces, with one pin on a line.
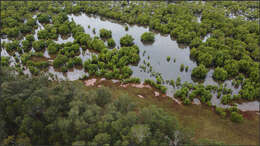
pixel 127 40
pixel 220 74
pixel 111 43
pixel 226 99
pixel 98 44
pixel 52 48
pixel 26 45
pixel 34 70
pixel 105 34
pixel 221 112
pixel 39 45
pixel 182 67
pixel 236 117
pixel 43 18
pixel 126 28
pixel 199 72
pixel 5 60
pixel 168 58
pixel 147 37
pixel 178 81
pixel 186 68
pixel 59 61
pixel 29 37
pixel 12 46
pixel 132 80
pixel 103 96
pixel 77 61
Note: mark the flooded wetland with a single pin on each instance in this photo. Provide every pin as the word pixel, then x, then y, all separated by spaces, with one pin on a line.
pixel 121 73
pixel 155 54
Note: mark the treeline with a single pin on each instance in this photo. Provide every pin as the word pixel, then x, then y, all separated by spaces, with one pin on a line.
pixel 36 111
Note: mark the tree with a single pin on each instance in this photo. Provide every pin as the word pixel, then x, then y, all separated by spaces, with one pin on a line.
pixel 105 34
pixel 43 34
pixel 102 139
pixel 98 44
pixel 127 40
pixel 12 32
pixel 232 67
pixel 138 133
pixel 103 96
pixel 12 46
pixel 205 59
pixel 147 37
pixel 64 29
pixel 52 48
pixel 5 61
pixel 43 18
pixel 60 60
pixel 199 72
pixel 236 117
pixel 111 43
pixel 220 74
pixel 39 45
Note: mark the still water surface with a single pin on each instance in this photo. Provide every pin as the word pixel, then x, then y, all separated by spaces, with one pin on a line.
pixel 155 53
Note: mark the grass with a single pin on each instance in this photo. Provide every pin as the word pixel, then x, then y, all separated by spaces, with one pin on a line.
pixel 202 119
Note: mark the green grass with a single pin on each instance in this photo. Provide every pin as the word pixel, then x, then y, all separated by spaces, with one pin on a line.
pixel 203 120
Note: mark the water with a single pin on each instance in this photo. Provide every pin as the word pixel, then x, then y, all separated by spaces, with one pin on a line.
pixel 155 53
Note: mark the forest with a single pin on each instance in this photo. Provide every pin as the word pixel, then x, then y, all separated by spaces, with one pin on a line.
pixel 36 111
pixel 43 40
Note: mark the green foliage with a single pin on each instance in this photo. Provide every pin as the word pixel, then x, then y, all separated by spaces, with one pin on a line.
pixel 236 117
pixel 5 60
pixel 199 72
pixel 226 99
pixel 182 67
pixel 105 34
pixel 39 45
pixel 60 60
pixel 111 43
pixel 103 96
pixel 127 40
pixel 221 112
pixel 43 18
pixel 220 74
pixel 126 28
pixel 160 87
pixel 53 48
pixel 12 46
pixel 73 115
pixel 168 58
pixel 98 44
pixel 147 37
pixel 132 80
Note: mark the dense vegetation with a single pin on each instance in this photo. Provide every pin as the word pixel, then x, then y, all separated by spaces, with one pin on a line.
pixel 147 37
pixel 232 48
pixel 35 111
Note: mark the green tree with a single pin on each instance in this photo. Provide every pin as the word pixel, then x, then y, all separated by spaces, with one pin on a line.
pixel 105 34
pixel 220 74
pixel 147 37
pixel 127 40
pixel 199 72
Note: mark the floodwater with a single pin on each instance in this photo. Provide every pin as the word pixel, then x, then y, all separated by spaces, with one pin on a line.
pixel 155 53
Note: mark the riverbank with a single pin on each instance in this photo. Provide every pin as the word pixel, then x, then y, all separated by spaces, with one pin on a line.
pixel 202 119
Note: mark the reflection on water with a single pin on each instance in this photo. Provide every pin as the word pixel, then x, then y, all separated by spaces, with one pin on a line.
pixel 4 53
pixel 60 40
pixel 46 54
pixel 155 54
pixel 75 74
